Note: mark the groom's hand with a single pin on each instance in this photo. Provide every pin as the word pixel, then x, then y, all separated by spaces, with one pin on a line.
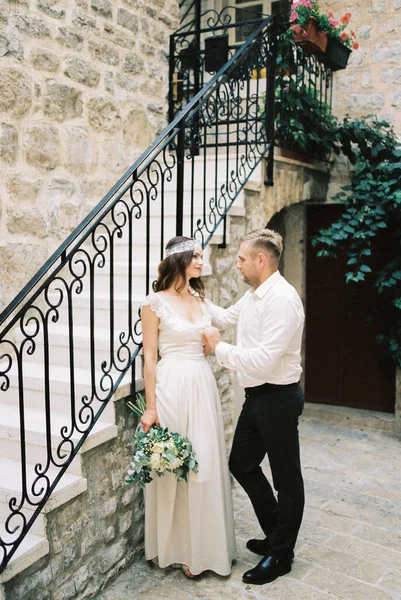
pixel 211 336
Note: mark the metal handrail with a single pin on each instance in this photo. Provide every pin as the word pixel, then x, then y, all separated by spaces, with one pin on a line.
pixel 204 184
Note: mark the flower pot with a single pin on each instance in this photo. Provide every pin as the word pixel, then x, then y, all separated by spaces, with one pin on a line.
pixel 336 56
pixel 312 40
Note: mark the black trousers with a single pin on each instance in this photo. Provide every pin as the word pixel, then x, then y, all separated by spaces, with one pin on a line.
pixel 268 424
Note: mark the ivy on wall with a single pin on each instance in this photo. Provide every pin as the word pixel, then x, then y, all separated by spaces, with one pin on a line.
pixel 372 209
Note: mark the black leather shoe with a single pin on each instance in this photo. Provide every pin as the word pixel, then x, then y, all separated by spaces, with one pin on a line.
pixel 267 570
pixel 259 546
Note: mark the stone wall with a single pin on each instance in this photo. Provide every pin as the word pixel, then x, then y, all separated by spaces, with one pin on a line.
pixel 83 87
pixel 371 84
pixel 94 535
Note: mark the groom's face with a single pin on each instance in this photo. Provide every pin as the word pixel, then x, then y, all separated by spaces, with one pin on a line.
pixel 247 264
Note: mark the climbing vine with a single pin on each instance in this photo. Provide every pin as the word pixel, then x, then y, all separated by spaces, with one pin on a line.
pixel 372 211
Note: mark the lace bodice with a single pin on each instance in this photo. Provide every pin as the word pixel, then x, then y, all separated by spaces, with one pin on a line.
pixel 177 335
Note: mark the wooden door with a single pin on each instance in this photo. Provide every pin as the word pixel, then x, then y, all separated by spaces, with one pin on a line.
pixel 343 364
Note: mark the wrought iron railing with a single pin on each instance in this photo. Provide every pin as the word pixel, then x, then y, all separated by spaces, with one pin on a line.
pixel 88 293
pixel 303 83
pixel 304 86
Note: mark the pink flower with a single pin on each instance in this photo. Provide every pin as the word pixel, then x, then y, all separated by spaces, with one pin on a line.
pixel 295 4
pixel 333 23
pixel 307 4
pixel 294 15
pixel 330 15
pixel 296 28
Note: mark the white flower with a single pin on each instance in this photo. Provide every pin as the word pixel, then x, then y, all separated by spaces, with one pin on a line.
pixel 157 448
pixel 174 464
pixel 155 461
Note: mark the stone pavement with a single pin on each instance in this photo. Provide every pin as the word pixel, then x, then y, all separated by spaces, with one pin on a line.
pixel 349 546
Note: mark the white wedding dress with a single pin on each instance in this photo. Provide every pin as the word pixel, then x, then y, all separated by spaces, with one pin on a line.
pixel 189 522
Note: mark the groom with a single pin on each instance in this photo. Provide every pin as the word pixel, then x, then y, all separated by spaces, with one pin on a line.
pixel 267 358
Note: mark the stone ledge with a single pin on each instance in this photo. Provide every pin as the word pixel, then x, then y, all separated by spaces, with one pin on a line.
pixel 314 165
pixel 355 418
pixel 30 551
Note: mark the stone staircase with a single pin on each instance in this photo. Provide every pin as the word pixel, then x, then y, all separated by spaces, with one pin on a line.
pixel 40 434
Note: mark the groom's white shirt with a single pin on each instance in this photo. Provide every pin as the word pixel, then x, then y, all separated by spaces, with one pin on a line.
pixel 269 334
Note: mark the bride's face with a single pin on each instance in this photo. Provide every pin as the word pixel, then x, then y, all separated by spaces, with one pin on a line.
pixel 194 269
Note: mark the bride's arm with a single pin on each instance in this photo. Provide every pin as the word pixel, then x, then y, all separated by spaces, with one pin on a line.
pixel 150 332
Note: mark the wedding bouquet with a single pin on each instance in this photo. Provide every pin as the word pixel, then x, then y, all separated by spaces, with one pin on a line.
pixel 157 452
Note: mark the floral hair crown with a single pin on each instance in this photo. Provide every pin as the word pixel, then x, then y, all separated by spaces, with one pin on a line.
pixel 184 246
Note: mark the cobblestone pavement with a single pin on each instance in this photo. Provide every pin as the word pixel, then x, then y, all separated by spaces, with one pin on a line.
pixel 349 545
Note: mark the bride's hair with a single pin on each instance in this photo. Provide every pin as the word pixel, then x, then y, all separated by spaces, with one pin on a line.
pixel 172 270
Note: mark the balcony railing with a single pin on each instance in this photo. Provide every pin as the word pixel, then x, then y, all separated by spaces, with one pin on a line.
pixel 303 86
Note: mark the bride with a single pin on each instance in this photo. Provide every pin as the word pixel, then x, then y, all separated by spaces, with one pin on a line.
pixel 189 524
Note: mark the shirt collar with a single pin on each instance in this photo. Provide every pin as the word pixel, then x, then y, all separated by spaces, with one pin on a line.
pixel 267 284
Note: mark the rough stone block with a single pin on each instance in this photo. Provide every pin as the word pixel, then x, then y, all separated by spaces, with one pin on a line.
pixel 10 44
pixel 69 554
pixel 137 129
pixel 387 52
pixel 18 262
pixel 42 146
pixel 70 38
pixel 61 190
pixel 80 19
pixel 103 114
pixel 396 101
pixel 127 19
pixel 8 143
pixel 52 8
pixel 125 83
pixel 26 221
pixel 109 507
pixel 373 101
pixel 44 60
pixel 133 64
pixel 61 102
pixel 118 37
pixel 111 555
pixel 364 32
pixel 367 79
pixel 125 522
pixel 31 25
pixel 15 91
pixel 80 70
pixel 104 53
pixel 378 7
pixel 4 13
pixel 103 7
pixel 110 534
pixel 81 152
pixel 23 190
pixel 109 82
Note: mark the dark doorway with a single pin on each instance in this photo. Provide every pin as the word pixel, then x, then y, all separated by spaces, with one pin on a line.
pixel 343 364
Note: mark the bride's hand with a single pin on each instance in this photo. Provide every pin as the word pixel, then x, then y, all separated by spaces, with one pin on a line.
pixel 149 418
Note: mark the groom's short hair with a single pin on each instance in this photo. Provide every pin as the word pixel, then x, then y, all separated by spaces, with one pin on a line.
pixel 263 240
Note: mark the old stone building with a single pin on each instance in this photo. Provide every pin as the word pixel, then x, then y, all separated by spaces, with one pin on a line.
pixel 83 92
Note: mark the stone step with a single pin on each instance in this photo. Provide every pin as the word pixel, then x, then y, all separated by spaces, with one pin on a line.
pixel 67 488
pixel 35 434
pixel 355 418
pixel 59 337
pixel 31 549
